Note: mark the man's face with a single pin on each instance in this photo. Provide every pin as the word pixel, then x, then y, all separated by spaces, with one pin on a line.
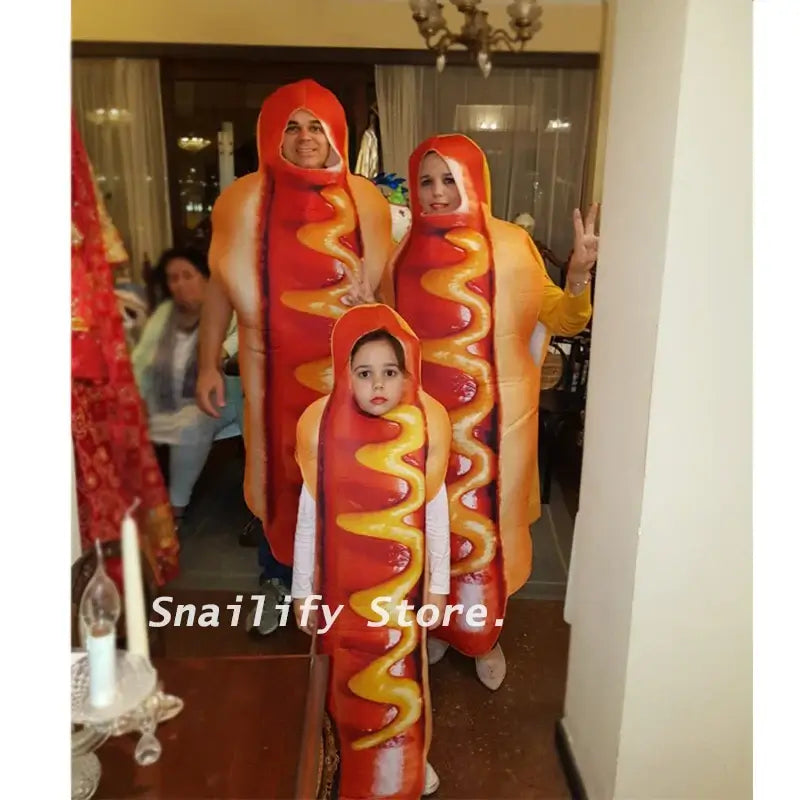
pixel 304 141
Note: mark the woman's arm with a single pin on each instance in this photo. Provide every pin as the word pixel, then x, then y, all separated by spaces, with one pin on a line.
pixel 564 313
pixel 567 313
pixel 145 350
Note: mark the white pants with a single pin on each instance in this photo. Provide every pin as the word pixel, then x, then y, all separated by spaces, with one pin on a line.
pixel 190 433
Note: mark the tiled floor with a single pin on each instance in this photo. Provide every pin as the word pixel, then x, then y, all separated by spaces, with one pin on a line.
pixel 485 744
pixel 552 545
pixel 211 557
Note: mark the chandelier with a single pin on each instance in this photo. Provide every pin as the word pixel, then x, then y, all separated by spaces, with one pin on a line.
pixel 109 116
pixel 477 35
pixel 194 144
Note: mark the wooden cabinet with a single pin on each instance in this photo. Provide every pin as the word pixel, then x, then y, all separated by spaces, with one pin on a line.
pixel 250 727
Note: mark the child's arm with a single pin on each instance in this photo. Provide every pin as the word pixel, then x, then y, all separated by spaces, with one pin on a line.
pixel 303 565
pixel 437 544
pixel 437 539
pixel 437 513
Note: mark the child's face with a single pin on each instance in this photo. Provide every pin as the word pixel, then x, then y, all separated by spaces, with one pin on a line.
pixel 377 379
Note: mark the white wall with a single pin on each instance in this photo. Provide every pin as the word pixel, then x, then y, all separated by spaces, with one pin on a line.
pixel 659 687
pixel 637 185
pixel 687 722
pixel 76 531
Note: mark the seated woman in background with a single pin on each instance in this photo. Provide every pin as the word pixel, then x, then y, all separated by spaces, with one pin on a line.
pixel 165 366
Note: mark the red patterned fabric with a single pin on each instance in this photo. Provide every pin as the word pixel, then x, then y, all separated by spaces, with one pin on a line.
pixel 114 460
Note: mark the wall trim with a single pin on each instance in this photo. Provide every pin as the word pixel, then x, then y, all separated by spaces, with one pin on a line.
pixel 577 790
pixel 316 55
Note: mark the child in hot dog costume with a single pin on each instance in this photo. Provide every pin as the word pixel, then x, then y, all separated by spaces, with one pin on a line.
pixel 473 288
pixel 287 244
pixel 372 522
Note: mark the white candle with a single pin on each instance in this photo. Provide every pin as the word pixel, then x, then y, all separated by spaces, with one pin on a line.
pixel 102 652
pixel 135 615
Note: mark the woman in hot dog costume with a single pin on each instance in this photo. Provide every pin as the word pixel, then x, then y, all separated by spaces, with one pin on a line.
pixel 372 522
pixel 287 244
pixel 473 288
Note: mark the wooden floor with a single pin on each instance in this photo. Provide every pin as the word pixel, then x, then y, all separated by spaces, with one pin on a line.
pixel 485 744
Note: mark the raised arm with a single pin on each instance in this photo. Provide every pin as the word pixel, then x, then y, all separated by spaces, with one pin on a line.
pixel 566 313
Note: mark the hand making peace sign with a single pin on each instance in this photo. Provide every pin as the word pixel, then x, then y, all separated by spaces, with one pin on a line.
pixel 584 247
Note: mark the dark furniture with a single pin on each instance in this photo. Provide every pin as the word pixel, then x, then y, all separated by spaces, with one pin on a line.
pixel 562 409
pixel 562 406
pixel 251 727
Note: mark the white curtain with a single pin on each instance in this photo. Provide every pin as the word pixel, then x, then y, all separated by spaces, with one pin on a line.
pixel 533 125
pixel 117 106
pixel 399 91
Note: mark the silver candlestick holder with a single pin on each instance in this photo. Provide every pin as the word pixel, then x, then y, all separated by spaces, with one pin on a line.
pixel 139 704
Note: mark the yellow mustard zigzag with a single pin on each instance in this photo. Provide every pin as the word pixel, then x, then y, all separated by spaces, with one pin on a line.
pixel 450 283
pixel 375 683
pixel 324 237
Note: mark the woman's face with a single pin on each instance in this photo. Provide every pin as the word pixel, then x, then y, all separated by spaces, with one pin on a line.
pixel 186 285
pixel 377 379
pixel 438 192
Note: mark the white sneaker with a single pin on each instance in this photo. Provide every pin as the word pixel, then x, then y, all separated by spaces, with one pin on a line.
pixel 283 590
pixel 491 668
pixel 268 623
pixel 274 593
pixel 436 650
pixel 431 780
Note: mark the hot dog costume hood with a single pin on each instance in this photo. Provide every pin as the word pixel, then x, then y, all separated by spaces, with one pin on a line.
pixel 371 477
pixel 473 288
pixel 283 239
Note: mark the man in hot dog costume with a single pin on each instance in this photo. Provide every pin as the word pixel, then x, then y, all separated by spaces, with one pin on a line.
pixel 473 288
pixel 287 244
pixel 372 523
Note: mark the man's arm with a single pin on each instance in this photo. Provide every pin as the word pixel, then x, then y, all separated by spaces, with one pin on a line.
pixel 215 319
pixel 375 223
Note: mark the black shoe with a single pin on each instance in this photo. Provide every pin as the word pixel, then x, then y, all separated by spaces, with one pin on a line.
pixel 251 534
